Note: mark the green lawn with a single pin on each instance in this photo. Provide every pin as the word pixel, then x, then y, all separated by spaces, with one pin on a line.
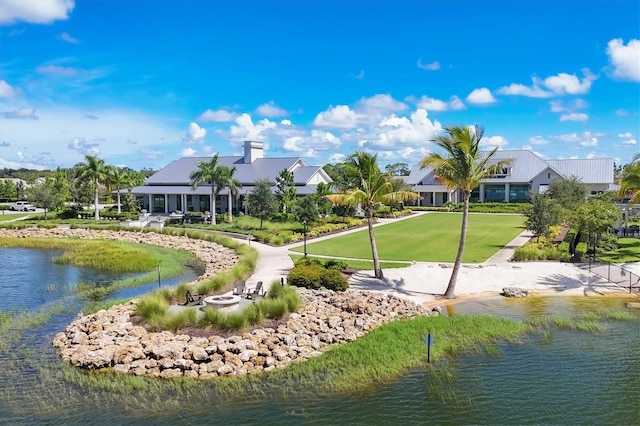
pixel 432 237
pixel 12 216
pixel 628 251
pixel 356 264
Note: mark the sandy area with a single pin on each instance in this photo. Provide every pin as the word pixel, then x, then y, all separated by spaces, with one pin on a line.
pixel 426 282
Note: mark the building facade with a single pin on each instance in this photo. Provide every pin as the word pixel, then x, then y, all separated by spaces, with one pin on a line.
pixel 169 190
pixel 526 173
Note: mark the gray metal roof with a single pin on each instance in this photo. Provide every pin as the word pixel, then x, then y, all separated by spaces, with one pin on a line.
pixel 524 166
pixel 595 170
pixel 177 172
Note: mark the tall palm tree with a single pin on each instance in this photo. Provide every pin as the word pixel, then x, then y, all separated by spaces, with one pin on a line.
pixel 208 172
pixel 463 169
pixel 630 181
pixel 93 170
pixel 232 184
pixel 373 186
pixel 117 179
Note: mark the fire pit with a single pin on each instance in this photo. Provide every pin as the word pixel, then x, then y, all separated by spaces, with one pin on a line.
pixel 221 301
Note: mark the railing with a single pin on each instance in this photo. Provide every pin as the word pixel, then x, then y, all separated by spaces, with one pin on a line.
pixel 614 274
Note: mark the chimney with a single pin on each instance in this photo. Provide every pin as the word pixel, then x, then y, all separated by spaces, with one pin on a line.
pixel 252 151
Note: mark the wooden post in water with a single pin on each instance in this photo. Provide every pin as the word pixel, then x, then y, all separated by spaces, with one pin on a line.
pixel 158 275
pixel 428 340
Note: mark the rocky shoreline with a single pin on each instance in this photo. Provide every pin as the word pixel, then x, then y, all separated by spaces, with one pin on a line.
pixel 108 338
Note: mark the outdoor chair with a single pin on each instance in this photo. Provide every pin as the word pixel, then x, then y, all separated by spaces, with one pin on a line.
pixel 192 299
pixel 256 292
pixel 239 288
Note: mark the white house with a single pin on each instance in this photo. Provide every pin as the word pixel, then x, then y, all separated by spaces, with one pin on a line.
pixel 170 189
pixel 525 172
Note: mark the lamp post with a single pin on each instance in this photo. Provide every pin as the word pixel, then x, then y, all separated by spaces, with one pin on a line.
pixel 304 223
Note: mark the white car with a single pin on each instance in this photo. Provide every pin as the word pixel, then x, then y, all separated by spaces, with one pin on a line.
pixel 22 206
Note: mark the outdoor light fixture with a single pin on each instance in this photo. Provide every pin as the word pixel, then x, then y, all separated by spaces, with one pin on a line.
pixel 304 223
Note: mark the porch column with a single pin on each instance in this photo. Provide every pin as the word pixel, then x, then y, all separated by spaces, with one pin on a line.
pixel 507 188
pixel 482 192
pixel 433 199
pixel 183 204
pixel 150 203
pixel 166 203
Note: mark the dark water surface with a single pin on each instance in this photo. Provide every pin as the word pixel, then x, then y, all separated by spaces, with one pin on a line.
pixel 565 377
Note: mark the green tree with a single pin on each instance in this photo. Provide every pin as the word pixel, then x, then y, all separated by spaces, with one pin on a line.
pixel 630 181
pixel 462 169
pixel 324 204
pixel 232 184
pixel 117 180
pixel 543 212
pixel 372 187
pixel 285 190
pixel 94 171
pixel 305 209
pixel 49 195
pixel 208 172
pixel 569 193
pixel 263 204
pixel 594 218
pixel 398 169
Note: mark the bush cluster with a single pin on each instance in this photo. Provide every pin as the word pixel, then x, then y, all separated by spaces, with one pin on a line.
pixel 310 273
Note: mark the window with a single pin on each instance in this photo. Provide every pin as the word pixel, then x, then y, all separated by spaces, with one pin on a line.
pixel 158 204
pixel 518 193
pixel 494 193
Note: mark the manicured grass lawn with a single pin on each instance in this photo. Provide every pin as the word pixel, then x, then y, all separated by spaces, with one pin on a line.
pixel 629 251
pixel 432 237
pixel 357 264
pixel 12 216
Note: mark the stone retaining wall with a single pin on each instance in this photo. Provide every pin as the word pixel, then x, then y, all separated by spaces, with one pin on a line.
pixel 108 338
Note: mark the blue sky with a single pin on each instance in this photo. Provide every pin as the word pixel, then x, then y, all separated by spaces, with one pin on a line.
pixel 142 83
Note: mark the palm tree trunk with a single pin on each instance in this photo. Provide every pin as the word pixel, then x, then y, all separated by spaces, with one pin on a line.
pixel 230 206
pixel 374 249
pixel 119 210
pixel 213 206
pixel 96 199
pixel 449 294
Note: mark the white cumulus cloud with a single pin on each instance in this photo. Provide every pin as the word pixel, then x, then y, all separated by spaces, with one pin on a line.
pixel 570 84
pixel 433 66
pixel 625 59
pixel 338 117
pixel 219 116
pixel 630 141
pixel 534 91
pixel 574 116
pixel 481 96
pixel 433 104
pixel 34 12
pixel 7 91
pixel 270 109
pixel 538 140
pixel 188 152
pixel 494 141
pixel 21 114
pixel 194 134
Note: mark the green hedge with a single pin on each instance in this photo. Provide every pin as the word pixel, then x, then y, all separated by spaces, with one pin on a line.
pixel 312 274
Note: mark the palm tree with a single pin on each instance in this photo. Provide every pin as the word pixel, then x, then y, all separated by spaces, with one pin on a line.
pixel 463 169
pixel 630 181
pixel 232 184
pixel 372 187
pixel 208 172
pixel 93 170
pixel 117 179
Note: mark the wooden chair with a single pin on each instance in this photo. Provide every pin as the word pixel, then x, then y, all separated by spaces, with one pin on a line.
pixel 239 288
pixel 192 299
pixel 256 292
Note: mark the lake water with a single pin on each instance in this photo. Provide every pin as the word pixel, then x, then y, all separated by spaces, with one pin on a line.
pixel 569 377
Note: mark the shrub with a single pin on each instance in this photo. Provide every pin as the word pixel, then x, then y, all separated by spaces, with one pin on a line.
pixel 338 265
pixel 254 314
pixel 309 273
pixel 333 280
pixel 274 308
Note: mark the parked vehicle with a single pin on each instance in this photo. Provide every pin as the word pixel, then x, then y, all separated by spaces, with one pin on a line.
pixel 22 206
